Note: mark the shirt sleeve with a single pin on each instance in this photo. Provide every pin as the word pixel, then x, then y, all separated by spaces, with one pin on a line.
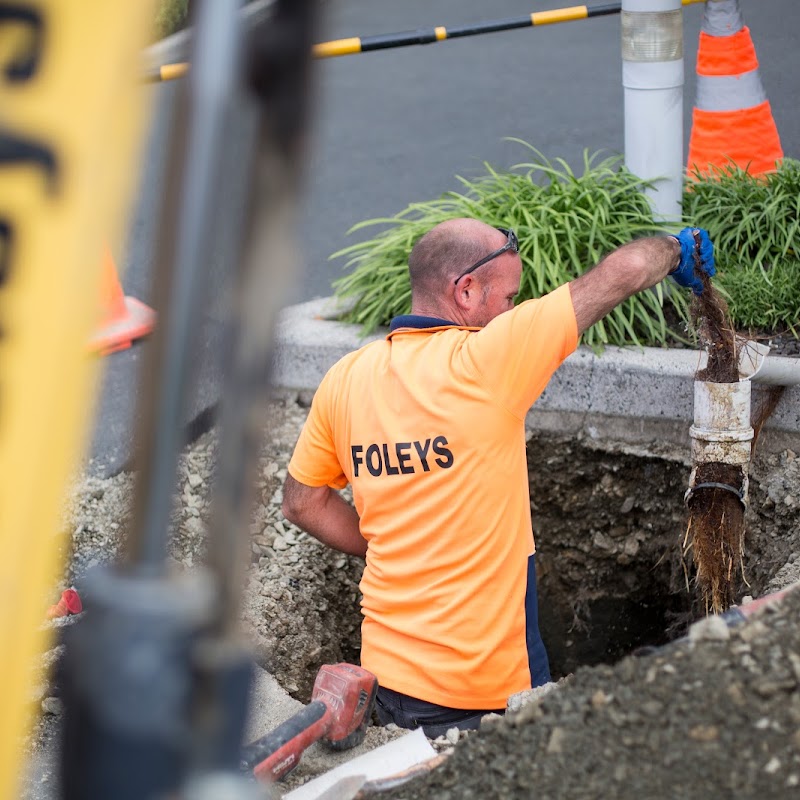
pixel 314 461
pixel 516 354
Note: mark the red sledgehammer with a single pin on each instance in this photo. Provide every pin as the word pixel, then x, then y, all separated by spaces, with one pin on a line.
pixel 339 712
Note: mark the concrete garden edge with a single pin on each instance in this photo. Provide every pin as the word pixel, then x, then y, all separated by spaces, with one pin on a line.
pixel 638 396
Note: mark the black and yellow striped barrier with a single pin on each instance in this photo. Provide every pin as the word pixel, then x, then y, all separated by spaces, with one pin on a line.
pixel 364 44
pixel 346 47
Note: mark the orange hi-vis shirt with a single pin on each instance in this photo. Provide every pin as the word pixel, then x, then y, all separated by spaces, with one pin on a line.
pixel 428 425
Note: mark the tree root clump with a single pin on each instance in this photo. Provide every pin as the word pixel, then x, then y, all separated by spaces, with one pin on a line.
pixel 715 530
pixel 714 541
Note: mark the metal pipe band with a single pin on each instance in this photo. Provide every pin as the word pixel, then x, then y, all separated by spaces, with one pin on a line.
pixel 652 36
pixel 740 493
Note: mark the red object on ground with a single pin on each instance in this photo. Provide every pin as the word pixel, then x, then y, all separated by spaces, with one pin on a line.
pixel 756 605
pixel 341 704
pixel 70 603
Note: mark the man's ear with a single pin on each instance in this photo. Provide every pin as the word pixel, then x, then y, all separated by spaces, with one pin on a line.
pixel 465 292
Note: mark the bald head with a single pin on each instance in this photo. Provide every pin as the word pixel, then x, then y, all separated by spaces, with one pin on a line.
pixel 443 254
pixel 445 251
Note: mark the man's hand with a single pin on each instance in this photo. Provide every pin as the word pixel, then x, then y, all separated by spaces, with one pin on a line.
pixel 684 274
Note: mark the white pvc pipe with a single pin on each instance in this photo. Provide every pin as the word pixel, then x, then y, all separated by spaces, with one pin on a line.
pixel 775 371
pixel 652 77
pixel 721 432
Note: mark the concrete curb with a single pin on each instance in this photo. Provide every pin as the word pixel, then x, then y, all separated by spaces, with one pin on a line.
pixel 643 397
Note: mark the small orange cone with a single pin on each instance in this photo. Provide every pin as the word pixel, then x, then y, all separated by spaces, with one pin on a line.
pixel 124 318
pixel 732 119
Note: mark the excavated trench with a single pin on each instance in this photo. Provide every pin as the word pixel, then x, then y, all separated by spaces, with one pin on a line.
pixel 609 523
pixel 608 528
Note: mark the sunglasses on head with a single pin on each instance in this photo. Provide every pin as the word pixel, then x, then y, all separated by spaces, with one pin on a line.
pixel 511 244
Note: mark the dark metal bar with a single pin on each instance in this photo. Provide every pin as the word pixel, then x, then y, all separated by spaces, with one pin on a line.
pixel 608 8
pixel 383 41
pixel 161 435
pixel 278 73
pixel 490 27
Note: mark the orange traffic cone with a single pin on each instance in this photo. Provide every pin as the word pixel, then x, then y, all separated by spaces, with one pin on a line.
pixel 124 318
pixel 732 120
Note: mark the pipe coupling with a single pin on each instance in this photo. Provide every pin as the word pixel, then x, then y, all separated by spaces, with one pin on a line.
pixel 721 432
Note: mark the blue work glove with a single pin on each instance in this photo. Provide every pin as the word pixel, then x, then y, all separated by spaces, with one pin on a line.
pixel 684 272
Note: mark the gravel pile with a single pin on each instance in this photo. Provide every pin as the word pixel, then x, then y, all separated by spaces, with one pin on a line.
pixel 785 344
pixel 301 602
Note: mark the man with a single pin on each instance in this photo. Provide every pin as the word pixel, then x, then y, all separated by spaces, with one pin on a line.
pixel 428 427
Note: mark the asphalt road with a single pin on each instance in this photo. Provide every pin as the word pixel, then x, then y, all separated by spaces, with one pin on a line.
pixel 396 126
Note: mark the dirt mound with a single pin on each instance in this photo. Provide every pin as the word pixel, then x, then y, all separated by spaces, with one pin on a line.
pixel 716 716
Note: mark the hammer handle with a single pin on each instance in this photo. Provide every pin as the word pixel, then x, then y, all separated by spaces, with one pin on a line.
pixel 278 752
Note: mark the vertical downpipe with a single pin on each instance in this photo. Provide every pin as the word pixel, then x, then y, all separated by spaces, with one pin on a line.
pixel 721 432
pixel 652 77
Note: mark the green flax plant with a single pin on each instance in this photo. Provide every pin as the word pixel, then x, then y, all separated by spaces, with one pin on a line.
pixel 754 222
pixel 565 222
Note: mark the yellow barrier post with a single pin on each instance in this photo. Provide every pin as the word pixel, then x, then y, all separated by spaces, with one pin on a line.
pixel 71 117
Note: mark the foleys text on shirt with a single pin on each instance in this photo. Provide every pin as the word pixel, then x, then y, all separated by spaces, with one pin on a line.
pixel 401 458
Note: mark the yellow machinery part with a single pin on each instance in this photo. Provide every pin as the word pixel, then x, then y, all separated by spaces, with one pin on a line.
pixel 71 112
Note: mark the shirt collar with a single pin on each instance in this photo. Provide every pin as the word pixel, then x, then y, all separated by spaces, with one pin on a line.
pixel 418 321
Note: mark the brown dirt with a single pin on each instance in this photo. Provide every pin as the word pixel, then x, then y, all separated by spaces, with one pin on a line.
pixel 609 523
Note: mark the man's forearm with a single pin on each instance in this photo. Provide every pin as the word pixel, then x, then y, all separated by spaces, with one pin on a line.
pixel 336 524
pixel 622 273
pixel 324 514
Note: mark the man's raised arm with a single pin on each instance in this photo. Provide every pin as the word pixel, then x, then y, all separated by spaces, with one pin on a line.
pixel 636 266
